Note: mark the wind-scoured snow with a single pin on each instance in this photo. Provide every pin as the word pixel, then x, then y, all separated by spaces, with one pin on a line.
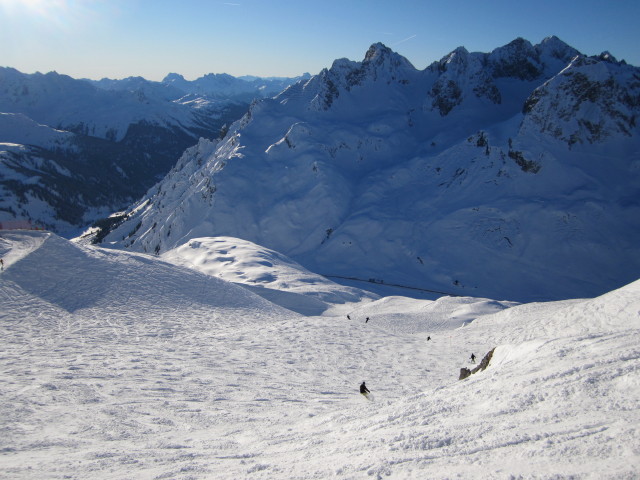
pixel 120 365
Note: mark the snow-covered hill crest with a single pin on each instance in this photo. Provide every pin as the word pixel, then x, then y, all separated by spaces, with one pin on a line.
pixel 120 283
pixel 265 272
pixel 443 178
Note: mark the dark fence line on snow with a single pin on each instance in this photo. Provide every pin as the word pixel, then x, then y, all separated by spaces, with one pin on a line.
pixel 378 282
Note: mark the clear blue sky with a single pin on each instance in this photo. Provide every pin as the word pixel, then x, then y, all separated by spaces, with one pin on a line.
pixel 150 38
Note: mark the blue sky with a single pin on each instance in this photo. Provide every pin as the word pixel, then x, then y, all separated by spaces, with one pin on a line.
pixel 150 38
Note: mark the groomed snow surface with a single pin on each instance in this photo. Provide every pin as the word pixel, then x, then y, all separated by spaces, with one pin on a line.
pixel 124 366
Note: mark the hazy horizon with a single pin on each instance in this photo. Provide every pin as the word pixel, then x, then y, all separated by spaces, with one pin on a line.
pixel 118 39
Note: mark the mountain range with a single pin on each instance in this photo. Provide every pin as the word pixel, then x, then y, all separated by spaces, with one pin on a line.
pixel 512 174
pixel 74 150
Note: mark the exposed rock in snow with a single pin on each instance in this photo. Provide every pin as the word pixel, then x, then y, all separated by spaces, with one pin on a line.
pixel 588 102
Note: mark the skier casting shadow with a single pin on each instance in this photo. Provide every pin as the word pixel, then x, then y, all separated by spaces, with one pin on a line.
pixel 365 391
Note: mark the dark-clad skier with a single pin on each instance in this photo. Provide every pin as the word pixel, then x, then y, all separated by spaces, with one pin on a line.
pixel 364 390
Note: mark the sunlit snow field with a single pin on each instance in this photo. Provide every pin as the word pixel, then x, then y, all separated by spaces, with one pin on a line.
pixel 126 366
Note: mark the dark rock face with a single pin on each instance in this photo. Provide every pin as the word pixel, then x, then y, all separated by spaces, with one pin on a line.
pixel 465 372
pixel 593 99
pixel 485 362
pixel 518 59
pixel 446 95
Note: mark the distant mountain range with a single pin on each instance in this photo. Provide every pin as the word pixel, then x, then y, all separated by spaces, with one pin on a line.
pixel 513 174
pixel 72 151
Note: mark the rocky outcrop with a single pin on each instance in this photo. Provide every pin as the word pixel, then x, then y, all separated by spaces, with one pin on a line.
pixel 593 99
pixel 466 372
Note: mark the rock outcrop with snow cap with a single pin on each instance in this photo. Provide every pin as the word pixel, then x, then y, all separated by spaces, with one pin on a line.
pixel 591 100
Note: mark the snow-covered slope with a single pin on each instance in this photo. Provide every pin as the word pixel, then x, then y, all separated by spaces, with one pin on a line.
pixel 513 174
pixel 79 106
pixel 127 286
pixel 265 272
pixel 60 179
pixel 119 365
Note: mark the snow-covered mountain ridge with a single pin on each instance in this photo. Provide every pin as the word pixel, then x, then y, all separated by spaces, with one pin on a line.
pixel 122 136
pixel 225 86
pixel 510 174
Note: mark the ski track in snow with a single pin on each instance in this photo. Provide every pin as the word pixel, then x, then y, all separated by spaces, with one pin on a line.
pixel 122 366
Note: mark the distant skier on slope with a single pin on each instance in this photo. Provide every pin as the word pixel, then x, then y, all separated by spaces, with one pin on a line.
pixel 473 358
pixel 367 320
pixel 364 390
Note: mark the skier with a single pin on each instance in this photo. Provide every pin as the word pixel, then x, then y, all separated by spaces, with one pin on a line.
pixel 367 320
pixel 473 358
pixel 348 317
pixel 364 390
pixel 428 338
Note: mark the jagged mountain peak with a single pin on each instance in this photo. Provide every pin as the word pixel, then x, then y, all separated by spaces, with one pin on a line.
pixel 455 59
pixel 377 50
pixel 607 57
pixel 518 46
pixel 380 65
pixel 172 77
pixel 554 47
pixel 593 99
pixel 379 61
pixel 379 56
pixel 457 54
pixel 518 59
pixel 461 75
